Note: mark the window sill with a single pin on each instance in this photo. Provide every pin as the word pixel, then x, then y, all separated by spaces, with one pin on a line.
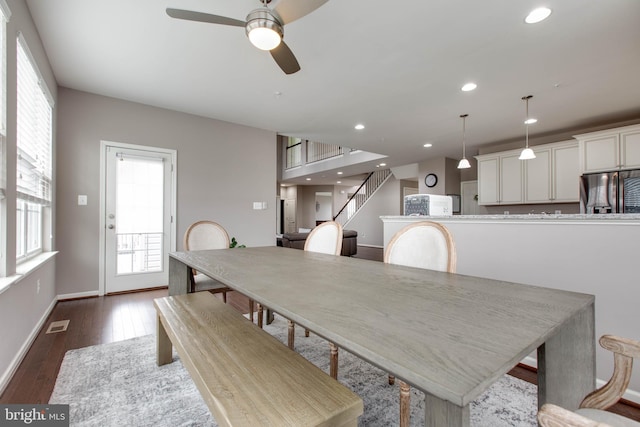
pixel 24 269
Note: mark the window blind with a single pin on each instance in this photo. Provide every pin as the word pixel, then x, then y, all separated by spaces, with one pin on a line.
pixel 5 13
pixel 34 131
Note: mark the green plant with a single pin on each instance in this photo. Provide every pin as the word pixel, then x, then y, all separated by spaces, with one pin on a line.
pixel 234 244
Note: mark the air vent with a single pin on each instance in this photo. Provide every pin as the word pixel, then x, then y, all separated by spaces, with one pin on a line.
pixel 58 326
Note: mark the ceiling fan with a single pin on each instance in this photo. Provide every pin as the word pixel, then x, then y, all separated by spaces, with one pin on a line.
pixel 263 26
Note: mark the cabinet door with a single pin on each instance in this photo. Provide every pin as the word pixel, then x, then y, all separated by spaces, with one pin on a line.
pixel 566 174
pixel 538 177
pixel 488 181
pixel 511 179
pixel 601 154
pixel 630 146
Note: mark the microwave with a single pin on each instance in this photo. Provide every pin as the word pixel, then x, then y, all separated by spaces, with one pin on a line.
pixel 428 205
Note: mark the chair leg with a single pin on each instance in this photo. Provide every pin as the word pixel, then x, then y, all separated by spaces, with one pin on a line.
pixel 260 310
pixel 251 310
pixel 333 363
pixel 392 380
pixel 405 404
pixel 292 335
pixel 224 296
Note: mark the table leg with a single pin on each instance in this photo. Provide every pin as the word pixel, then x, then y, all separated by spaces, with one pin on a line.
pixel 405 404
pixel 260 315
pixel 440 412
pixel 567 362
pixel 164 348
pixel 179 277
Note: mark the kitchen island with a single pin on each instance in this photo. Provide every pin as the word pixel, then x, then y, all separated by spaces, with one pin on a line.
pixel 593 254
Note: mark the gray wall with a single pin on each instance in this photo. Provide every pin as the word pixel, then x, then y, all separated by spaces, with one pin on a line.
pixel 222 169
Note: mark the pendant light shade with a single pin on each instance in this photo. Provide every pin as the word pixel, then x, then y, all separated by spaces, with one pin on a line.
pixel 527 153
pixel 464 163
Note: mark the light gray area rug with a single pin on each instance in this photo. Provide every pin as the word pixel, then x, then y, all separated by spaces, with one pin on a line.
pixel 119 384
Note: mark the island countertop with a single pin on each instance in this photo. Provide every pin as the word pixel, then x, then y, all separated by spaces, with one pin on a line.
pixel 626 218
pixel 592 254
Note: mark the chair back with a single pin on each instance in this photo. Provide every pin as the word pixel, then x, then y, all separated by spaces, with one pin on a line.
pixel 424 244
pixel 325 238
pixel 205 235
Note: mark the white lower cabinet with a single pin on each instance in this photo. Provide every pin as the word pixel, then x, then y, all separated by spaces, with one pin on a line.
pixel 552 177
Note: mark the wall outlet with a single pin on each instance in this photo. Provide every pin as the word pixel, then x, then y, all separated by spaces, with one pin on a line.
pixel 38 286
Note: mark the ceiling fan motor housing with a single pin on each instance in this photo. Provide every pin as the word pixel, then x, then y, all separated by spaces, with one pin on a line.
pixel 264 18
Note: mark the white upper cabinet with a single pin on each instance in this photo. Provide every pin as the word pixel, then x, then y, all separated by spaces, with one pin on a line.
pixel 552 177
pixel 500 178
pixel 538 177
pixel 565 173
pixel 611 149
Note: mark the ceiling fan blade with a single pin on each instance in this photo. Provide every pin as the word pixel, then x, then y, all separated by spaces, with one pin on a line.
pixel 290 10
pixel 285 58
pixel 190 15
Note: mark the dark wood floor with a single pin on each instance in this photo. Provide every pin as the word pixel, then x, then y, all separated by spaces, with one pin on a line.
pixel 112 318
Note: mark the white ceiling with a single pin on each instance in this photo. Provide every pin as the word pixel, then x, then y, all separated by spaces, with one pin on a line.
pixel 396 67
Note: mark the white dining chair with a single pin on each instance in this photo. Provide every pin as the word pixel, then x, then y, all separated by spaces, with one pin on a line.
pixel 325 238
pixel 203 235
pixel 593 408
pixel 427 245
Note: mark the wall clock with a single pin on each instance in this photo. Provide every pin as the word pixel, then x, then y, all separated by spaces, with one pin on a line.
pixel 431 180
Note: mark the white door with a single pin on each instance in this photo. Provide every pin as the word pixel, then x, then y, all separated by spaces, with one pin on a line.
pixel 469 197
pixel 137 211
pixel 290 216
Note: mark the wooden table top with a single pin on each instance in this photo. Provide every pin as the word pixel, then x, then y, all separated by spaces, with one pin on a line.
pixel 448 334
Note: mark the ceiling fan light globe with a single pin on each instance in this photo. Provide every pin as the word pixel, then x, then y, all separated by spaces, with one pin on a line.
pixel 264 38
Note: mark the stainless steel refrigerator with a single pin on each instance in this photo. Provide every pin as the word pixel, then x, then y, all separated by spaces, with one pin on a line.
pixel 610 192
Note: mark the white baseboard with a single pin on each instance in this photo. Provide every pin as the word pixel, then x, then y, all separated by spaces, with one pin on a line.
pixel 77 295
pixel 371 246
pixel 630 395
pixel 15 363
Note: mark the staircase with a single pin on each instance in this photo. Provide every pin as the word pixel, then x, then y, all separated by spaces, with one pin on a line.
pixel 357 200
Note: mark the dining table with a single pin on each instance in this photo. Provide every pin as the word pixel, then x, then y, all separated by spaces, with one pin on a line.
pixel 449 335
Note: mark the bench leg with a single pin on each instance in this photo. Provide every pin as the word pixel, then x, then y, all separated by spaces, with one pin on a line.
pixel 251 310
pixel 333 361
pixel 291 335
pixel 164 348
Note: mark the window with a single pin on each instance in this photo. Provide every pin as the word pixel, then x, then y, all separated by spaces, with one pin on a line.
pixel 5 14
pixel 34 146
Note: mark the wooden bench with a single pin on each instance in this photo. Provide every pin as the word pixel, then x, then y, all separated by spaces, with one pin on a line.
pixel 246 376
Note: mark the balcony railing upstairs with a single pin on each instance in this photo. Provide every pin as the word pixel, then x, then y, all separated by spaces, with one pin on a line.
pixel 298 149
pixel 358 199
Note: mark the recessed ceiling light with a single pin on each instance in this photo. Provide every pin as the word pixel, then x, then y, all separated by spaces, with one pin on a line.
pixel 339 173
pixel 308 179
pixel 428 145
pixel 469 87
pixel 359 126
pixel 383 164
pixel 339 182
pixel 537 15
pixel 530 121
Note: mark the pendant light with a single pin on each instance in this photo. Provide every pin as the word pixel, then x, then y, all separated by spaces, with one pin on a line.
pixel 527 153
pixel 464 163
